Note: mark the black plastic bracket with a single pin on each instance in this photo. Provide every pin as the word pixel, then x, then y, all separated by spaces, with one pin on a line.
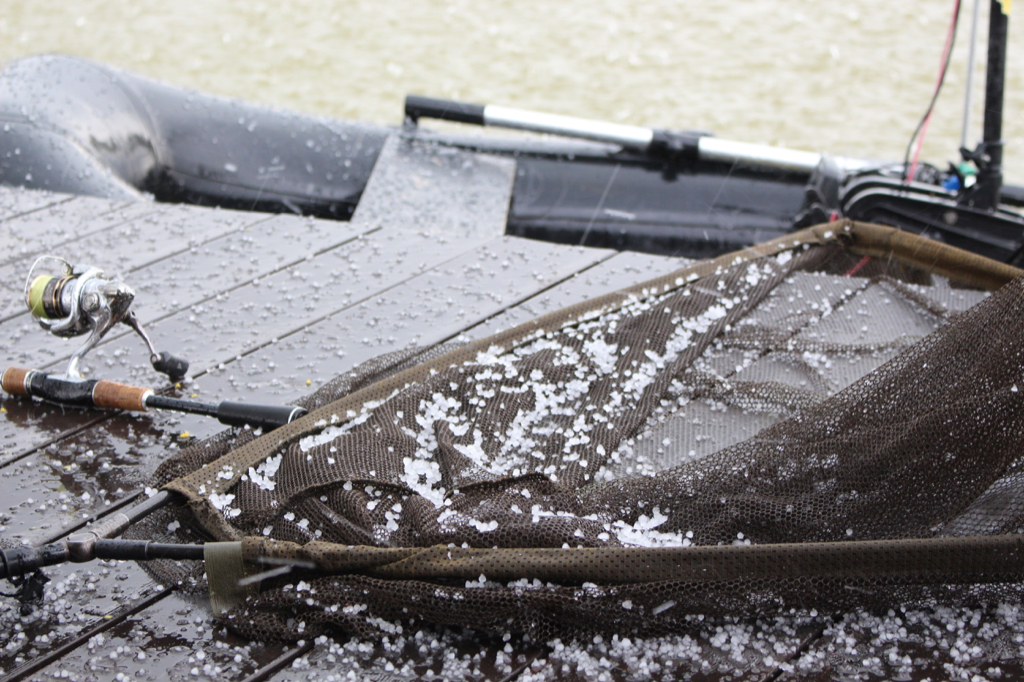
pixel 672 146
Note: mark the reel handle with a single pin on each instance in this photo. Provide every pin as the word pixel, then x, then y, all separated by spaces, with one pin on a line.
pixel 174 367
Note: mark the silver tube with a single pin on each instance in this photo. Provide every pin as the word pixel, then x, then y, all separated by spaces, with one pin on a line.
pixel 970 75
pixel 716 149
pixel 633 137
pixel 639 139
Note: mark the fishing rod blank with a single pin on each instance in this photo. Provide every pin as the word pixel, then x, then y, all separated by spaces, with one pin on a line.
pixel 92 393
pixel 657 143
pixel 82 547
pixel 97 542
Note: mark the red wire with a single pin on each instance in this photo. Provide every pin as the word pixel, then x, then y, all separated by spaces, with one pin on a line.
pixel 853 271
pixel 938 84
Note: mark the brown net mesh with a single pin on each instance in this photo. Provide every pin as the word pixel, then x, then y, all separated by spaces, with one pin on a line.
pixel 651 455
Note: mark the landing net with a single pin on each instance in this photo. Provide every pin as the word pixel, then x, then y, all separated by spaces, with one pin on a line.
pixel 832 420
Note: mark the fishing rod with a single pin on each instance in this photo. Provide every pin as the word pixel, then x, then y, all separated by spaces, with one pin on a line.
pixel 985 194
pixel 110 395
pixel 664 144
pixel 83 547
pixel 969 86
pixel 74 300
pixel 95 542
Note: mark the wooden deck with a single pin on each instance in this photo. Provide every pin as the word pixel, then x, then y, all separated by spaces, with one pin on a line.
pixel 267 308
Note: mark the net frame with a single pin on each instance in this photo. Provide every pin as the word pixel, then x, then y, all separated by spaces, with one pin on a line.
pixel 378 566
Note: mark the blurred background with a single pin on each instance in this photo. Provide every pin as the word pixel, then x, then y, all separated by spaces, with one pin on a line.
pixel 849 78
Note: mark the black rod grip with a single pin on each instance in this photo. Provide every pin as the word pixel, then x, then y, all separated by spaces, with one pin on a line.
pixel 267 417
pixel 163 402
pixel 417 106
pixel 60 390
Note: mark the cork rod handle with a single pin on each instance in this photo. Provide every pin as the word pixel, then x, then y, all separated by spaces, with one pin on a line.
pixel 14 380
pixel 88 393
pixel 114 396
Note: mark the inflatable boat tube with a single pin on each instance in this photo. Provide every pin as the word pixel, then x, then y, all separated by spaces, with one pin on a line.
pixel 71 125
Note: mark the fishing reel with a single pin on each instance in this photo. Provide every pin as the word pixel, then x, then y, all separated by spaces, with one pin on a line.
pixel 71 301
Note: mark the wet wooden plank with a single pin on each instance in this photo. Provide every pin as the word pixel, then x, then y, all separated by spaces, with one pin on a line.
pixel 48 228
pixel 57 488
pixel 437 190
pixel 169 640
pixel 282 303
pixel 86 600
pixel 429 308
pixel 15 201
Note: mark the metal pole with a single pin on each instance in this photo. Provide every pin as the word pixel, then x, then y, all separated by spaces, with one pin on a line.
pixel 970 75
pixel 644 140
pixel 990 173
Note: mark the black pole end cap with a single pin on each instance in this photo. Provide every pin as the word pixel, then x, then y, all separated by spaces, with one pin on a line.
pixel 417 106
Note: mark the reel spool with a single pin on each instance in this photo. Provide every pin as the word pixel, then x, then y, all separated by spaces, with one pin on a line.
pixel 70 301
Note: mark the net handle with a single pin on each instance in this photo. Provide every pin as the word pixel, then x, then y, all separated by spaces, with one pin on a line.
pixel 974 559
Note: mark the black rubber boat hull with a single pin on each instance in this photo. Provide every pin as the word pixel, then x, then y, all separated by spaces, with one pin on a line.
pixel 71 125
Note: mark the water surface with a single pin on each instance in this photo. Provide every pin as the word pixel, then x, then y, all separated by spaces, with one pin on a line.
pixel 848 78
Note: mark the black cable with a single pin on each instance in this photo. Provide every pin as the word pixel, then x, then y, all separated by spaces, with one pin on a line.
pixel 935 95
